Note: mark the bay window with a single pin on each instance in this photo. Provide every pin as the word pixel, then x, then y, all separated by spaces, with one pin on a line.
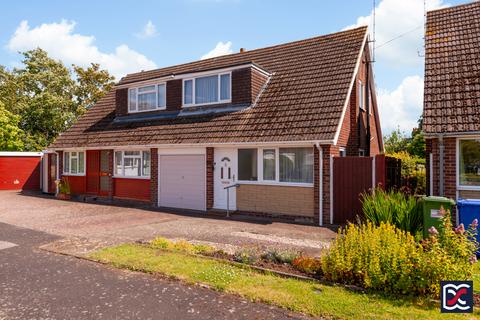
pixel 207 89
pixel 147 98
pixel 74 163
pixel 132 163
pixel 469 162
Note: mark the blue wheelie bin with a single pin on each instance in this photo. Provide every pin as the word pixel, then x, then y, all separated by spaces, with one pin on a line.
pixel 468 210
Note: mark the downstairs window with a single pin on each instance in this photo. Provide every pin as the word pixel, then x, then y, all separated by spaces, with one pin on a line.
pixel 132 163
pixel 74 163
pixel 469 162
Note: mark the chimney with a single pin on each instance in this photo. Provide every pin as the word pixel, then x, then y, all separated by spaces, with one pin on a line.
pixel 242 50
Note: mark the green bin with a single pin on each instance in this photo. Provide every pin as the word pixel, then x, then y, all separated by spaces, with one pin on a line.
pixel 431 207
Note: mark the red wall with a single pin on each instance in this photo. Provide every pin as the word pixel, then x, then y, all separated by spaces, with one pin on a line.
pixel 135 189
pixel 77 184
pixel 18 172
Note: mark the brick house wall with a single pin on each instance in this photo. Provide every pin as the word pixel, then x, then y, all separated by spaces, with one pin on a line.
pixel 450 163
pixel 154 177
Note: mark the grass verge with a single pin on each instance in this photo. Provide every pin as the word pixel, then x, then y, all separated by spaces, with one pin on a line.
pixel 302 296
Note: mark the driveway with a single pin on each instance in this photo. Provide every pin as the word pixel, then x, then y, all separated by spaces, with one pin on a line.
pixel 96 225
pixel 35 284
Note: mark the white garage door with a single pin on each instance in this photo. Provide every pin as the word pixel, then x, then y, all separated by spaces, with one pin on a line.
pixel 182 181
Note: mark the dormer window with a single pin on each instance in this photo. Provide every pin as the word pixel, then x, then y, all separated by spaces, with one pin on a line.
pixel 147 98
pixel 209 89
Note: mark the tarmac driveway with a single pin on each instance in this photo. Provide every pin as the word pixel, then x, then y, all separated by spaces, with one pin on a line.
pixel 98 225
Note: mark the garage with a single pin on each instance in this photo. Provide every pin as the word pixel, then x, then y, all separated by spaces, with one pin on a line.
pixel 182 181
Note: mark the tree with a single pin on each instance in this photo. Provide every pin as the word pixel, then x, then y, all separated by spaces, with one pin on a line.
pixel 92 84
pixel 11 136
pixel 395 142
pixel 416 145
pixel 47 97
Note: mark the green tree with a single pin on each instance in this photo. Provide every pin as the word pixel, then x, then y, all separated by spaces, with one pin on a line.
pixel 416 145
pixel 11 136
pixel 92 84
pixel 395 142
pixel 47 97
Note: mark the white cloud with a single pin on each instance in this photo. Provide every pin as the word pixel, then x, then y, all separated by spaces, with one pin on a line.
pixel 220 49
pixel 149 31
pixel 394 18
pixel 61 43
pixel 401 107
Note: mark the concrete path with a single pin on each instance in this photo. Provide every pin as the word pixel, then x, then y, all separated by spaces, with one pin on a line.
pixel 87 226
pixel 35 284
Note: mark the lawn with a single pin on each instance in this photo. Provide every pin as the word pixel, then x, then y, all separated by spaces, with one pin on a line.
pixel 307 297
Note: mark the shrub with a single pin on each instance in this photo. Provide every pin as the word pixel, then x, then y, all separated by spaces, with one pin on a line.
pixel 392 207
pixel 307 264
pixel 246 255
pixel 278 256
pixel 161 243
pixel 388 259
pixel 64 186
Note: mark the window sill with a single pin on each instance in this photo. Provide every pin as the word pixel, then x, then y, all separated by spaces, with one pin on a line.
pixel 145 111
pixel 73 174
pixel 275 183
pixel 131 177
pixel 206 104
pixel 469 188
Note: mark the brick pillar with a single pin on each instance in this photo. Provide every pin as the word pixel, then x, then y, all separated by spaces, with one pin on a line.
pixel 316 185
pixel 154 177
pixel 428 151
pixel 111 185
pixel 210 166
pixel 328 150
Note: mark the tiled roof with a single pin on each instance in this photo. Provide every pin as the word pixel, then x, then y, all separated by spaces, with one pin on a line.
pixel 302 102
pixel 452 70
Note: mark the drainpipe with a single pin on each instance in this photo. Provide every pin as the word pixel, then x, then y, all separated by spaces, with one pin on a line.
pixel 441 169
pixel 320 189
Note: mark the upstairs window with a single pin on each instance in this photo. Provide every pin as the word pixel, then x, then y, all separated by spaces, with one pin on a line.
pixel 361 95
pixel 74 163
pixel 147 98
pixel 132 163
pixel 207 90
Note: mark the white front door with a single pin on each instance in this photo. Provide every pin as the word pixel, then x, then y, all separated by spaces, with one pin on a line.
pixel 224 175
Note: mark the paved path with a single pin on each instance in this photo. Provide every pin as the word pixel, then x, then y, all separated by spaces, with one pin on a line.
pixel 107 225
pixel 35 284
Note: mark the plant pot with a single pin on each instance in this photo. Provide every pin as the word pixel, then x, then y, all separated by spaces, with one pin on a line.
pixel 63 196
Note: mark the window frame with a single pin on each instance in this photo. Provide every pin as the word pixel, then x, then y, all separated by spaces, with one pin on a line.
pixel 157 107
pixel 219 91
pixel 261 180
pixel 457 169
pixel 122 175
pixel 361 95
pixel 69 172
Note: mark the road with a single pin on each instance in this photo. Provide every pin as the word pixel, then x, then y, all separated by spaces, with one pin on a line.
pixel 35 284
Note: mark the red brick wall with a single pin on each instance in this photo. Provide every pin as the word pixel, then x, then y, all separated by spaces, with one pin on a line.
pixel 110 172
pixel 132 189
pixel 174 94
pixel 154 176
pixel 209 171
pixel 121 101
pixel 328 150
pixel 450 163
pixel 78 184
pixel 241 86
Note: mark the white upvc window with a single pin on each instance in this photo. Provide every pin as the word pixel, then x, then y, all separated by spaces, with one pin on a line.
pixel 361 95
pixel 209 89
pixel 147 98
pixel 468 163
pixel 132 164
pixel 272 165
pixel 74 163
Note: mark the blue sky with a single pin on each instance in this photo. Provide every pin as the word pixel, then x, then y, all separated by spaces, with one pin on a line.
pixel 128 36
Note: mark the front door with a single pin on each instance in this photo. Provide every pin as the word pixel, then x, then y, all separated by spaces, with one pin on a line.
pixel 224 176
pixel 93 171
pixel 105 175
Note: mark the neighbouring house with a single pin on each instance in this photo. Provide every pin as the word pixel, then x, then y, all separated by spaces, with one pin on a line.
pixel 265 121
pixel 451 120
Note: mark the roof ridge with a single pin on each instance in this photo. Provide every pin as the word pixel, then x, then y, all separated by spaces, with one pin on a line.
pixel 458 6
pixel 249 51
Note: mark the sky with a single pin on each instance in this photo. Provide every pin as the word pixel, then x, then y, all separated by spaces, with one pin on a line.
pixel 130 36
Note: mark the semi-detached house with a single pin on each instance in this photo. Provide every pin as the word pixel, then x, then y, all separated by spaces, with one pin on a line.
pixel 266 121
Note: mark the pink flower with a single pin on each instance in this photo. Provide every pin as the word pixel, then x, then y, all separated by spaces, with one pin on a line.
pixel 432 231
pixel 472 259
pixel 474 223
pixel 460 229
